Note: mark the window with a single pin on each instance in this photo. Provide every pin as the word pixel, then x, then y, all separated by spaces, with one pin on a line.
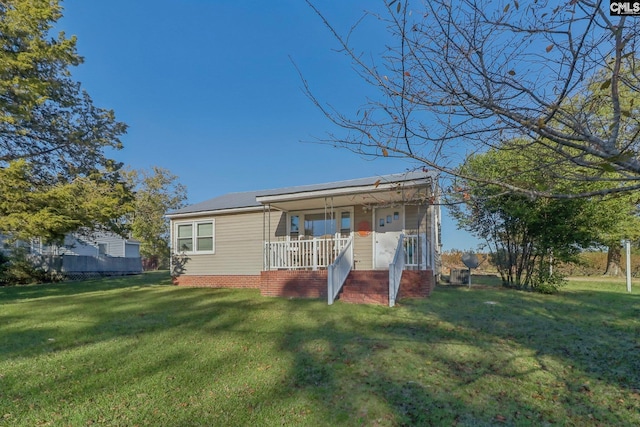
pixel 103 248
pixel 195 237
pixel 294 225
pixel 204 236
pixel 318 223
pixel 345 223
pixel 185 238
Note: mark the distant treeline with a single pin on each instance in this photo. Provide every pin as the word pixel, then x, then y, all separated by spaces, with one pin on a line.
pixel 589 264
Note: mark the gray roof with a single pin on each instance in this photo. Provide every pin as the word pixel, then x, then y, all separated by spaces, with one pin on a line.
pixel 248 199
pixel 227 201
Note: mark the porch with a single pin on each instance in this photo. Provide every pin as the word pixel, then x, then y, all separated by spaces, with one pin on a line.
pixel 334 255
pixel 319 253
pixel 381 227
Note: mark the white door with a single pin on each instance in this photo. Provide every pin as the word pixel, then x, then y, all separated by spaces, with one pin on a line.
pixel 388 226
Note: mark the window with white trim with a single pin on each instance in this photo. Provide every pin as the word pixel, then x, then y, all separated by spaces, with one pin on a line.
pixel 195 237
pixel 317 223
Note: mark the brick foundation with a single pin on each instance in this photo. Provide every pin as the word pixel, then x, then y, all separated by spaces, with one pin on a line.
pixel 294 283
pixel 361 287
pixel 221 281
pixel 416 284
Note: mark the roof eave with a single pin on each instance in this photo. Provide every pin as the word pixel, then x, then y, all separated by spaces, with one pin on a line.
pixel 214 212
pixel 268 199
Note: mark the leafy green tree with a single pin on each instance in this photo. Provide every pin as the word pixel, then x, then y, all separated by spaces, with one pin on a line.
pixel 527 235
pixel 56 176
pixel 623 217
pixel 622 210
pixel 156 192
pixel 51 211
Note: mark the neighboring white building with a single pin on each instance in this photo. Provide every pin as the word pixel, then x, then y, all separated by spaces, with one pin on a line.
pixel 99 243
pixel 80 256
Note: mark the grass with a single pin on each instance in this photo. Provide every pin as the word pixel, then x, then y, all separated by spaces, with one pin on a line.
pixel 138 351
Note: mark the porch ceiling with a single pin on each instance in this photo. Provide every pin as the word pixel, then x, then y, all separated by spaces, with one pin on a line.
pixel 383 197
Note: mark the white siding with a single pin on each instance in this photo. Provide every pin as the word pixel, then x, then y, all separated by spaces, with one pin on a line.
pixel 90 246
pixel 238 244
pixel 363 242
pixel 77 246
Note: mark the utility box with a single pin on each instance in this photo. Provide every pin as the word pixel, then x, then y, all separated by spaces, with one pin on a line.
pixel 459 276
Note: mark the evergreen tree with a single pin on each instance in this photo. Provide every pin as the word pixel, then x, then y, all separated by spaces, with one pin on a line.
pixel 55 174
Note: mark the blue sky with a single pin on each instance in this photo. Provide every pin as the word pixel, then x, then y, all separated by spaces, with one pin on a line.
pixel 209 90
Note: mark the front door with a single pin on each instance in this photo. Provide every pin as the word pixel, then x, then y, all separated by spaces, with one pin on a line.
pixel 388 226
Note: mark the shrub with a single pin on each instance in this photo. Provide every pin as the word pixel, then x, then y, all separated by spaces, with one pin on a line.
pixel 546 283
pixel 18 268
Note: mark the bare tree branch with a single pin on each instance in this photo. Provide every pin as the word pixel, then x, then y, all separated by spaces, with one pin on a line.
pixel 465 77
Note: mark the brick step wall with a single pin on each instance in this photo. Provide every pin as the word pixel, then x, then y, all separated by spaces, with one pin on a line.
pixel 366 287
pixel 416 284
pixel 372 287
pixel 294 283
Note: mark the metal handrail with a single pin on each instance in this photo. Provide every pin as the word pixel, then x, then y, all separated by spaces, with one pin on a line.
pixel 339 270
pixel 395 271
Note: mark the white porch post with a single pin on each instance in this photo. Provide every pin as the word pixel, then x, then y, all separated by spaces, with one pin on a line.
pixel 627 245
pixel 269 237
pixel 433 219
pixel 315 253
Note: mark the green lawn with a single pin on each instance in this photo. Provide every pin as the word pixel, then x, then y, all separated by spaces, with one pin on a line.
pixel 138 351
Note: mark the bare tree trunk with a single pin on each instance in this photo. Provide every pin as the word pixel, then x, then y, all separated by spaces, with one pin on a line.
pixel 614 257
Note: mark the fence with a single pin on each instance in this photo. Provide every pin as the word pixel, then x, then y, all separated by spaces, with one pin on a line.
pixel 77 266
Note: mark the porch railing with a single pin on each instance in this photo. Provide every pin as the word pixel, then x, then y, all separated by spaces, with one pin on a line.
pixel 303 254
pixel 395 269
pixel 339 270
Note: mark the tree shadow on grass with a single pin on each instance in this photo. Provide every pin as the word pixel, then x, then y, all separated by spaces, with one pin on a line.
pixel 460 357
pixel 25 292
pixel 65 316
pixel 103 352
pixel 495 358
pixel 587 343
pixel 345 359
pixel 596 331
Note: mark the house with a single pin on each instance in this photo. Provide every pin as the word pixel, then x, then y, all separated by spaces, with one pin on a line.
pixel 93 244
pixel 362 240
pixel 84 255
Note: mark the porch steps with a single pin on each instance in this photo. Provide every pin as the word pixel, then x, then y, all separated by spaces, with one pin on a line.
pixel 372 286
pixel 366 287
